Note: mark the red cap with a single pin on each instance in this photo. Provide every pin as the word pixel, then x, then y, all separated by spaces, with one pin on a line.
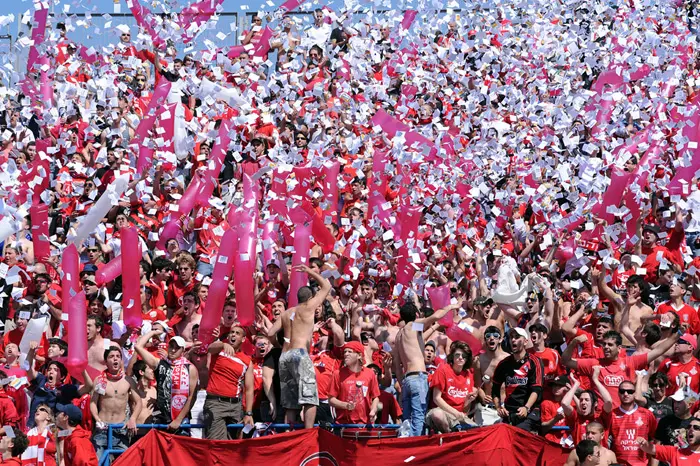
pixel 356 346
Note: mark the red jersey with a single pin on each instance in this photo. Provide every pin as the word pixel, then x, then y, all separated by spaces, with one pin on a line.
pixel 612 374
pixel 176 290
pixel 653 261
pixel 325 364
pixel 673 369
pixel 359 388
pixel 227 374
pixel 78 449
pixel 550 359
pixel 390 407
pixel 258 387
pixel 578 423
pixel 676 457
pixel 548 410
pixel 455 388
pixel 687 314
pixel 625 427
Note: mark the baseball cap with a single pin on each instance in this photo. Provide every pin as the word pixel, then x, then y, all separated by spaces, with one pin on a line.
pixel 652 228
pixel 73 412
pixel 163 324
pixel 560 381
pixel 520 331
pixel 432 343
pixel 690 340
pixel 483 300
pixel 179 341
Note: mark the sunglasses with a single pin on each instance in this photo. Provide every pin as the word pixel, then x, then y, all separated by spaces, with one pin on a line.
pixel 694 427
pixel 43 410
pixel 459 356
pixel 126 35
pixel 183 268
pixel 658 385
pixel 301 138
pixel 493 335
pixel 453 290
pixel 623 391
pixel 140 80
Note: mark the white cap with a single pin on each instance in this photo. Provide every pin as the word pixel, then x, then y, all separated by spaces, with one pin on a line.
pixel 679 395
pixel 520 331
pixel 163 324
pixel 180 341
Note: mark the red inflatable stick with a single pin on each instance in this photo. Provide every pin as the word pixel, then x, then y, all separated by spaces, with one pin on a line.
pixel 39 215
pixel 218 289
pixel 131 282
pixel 302 251
pixel 77 328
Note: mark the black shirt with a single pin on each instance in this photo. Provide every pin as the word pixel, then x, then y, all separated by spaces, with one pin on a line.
pixel 671 430
pixel 521 377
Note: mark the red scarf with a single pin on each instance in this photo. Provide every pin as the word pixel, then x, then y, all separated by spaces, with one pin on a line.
pixel 180 387
pixel 104 377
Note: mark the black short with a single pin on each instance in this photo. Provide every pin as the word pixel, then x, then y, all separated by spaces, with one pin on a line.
pixel 323 413
pixel 531 423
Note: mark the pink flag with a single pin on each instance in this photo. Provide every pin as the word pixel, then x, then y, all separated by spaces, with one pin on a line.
pixel 440 299
pixel 408 17
pixel 39 215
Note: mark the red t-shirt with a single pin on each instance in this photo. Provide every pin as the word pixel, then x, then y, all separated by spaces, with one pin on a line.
pixel 652 262
pixel 550 359
pixel 578 423
pixel 676 457
pixel 176 290
pixel 625 427
pixel 548 410
pixel 455 388
pixel 612 374
pixel 674 368
pixel 390 407
pixel 357 387
pixel 687 314
pixel 325 364
pixel 227 374
pixel 209 233
pixel 258 387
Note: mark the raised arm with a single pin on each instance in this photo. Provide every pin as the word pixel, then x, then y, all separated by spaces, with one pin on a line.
pixel 322 293
pixel 140 347
pixel 604 393
pixel 428 321
pixel 567 356
pixel 569 397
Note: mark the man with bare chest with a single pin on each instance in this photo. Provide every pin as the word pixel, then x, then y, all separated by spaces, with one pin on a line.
pixel 96 345
pixel 409 363
pixel 484 367
pixel 190 316
pixel 297 374
pixel 146 390
pixel 114 401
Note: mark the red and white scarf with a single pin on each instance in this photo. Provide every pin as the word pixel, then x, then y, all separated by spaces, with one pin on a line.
pixel 35 454
pixel 106 376
pixel 180 387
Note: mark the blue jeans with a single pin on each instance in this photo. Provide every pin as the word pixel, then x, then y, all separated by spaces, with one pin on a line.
pixel 414 401
pixel 120 440
pixel 205 269
pixel 691 238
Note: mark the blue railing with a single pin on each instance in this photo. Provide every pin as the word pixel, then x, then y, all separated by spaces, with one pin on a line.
pixel 106 455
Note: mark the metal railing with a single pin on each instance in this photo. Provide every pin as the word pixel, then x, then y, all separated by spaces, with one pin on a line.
pixel 105 459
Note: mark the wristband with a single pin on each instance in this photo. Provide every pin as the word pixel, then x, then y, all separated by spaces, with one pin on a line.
pixel 248 413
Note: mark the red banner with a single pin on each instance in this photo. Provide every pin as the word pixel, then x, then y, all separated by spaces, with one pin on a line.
pixel 495 445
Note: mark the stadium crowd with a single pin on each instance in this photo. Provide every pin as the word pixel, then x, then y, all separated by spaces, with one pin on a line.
pixel 457 217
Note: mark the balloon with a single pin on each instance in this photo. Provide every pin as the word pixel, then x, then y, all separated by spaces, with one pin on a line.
pixel 409 218
pixel 168 232
pixel 70 281
pixel 131 281
pixel 216 159
pixel 330 190
pixel 302 250
pixel 218 288
pixel 440 298
pixel 38 32
pixel 77 329
pixel 455 333
pixel 39 215
pixel 565 251
pixel 109 271
pixel 244 261
pixel 145 158
pixel 268 241
pixel 97 212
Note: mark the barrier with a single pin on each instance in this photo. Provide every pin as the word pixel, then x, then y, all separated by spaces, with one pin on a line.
pixel 106 461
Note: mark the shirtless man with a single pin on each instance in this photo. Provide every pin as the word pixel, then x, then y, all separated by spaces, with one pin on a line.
pixel 483 316
pixel 297 375
pixel 409 363
pixel 484 367
pixel 96 344
pixel 190 316
pixel 146 390
pixel 638 312
pixel 111 399
pixel 594 432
